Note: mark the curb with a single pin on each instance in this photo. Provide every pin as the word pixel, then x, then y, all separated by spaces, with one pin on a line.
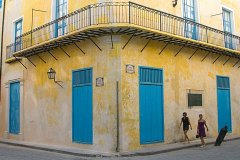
pixel 148 153
pixel 172 149
pixel 56 150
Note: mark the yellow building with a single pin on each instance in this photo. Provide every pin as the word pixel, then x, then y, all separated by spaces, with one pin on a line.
pixel 1 30
pixel 117 75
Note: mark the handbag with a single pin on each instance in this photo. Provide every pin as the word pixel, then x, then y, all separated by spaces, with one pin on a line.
pixel 197 136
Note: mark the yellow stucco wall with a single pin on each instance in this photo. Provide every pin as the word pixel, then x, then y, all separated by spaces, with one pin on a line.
pixel 180 75
pixel 46 108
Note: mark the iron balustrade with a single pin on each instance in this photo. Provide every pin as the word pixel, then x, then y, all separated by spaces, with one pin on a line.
pixel 123 13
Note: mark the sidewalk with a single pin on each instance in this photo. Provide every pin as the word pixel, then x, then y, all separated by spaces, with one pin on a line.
pixel 163 148
pixel 144 151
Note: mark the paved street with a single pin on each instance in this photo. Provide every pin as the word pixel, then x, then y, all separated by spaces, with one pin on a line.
pixel 229 151
pixel 8 152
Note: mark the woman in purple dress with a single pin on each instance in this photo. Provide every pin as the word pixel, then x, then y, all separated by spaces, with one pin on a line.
pixel 201 129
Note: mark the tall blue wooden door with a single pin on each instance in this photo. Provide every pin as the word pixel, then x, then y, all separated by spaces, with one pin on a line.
pixel 224 103
pixel 151 105
pixel 82 106
pixel 14 114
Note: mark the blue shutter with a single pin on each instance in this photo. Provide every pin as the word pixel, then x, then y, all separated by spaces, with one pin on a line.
pixel 61 10
pixel 151 105
pixel 18 33
pixel 82 106
pixel 0 3
pixel 14 110
pixel 189 13
pixel 227 26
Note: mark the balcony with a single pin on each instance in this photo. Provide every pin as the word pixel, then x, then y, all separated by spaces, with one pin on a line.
pixel 122 18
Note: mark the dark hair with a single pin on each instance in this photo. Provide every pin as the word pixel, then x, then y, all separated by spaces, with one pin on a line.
pixel 184 113
pixel 200 115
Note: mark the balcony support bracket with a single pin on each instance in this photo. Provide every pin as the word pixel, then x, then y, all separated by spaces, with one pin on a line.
pixel 79 47
pixel 193 54
pixel 146 44
pixel 128 41
pixel 52 55
pixel 227 61
pixel 41 58
pixel 179 50
pixel 95 44
pixel 164 48
pixel 64 51
pixel 236 63
pixel 112 39
pixel 31 62
pixel 20 62
pixel 216 59
pixel 205 56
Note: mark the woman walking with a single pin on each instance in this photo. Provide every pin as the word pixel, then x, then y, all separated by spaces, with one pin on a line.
pixel 201 129
pixel 186 123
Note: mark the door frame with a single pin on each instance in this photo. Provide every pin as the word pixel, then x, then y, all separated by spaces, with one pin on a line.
pixel 7 112
pixel 163 117
pixel 19 114
pixel 92 107
pixel 229 100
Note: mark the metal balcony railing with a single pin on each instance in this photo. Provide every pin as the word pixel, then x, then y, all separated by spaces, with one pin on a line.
pixel 118 13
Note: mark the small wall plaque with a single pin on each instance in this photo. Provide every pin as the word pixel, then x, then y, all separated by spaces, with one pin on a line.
pixel 99 81
pixel 130 69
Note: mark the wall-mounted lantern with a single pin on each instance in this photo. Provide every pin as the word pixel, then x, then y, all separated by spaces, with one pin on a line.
pixel 52 74
pixel 174 3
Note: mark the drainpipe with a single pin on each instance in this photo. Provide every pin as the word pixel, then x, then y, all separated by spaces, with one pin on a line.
pixel 117 147
pixel 3 20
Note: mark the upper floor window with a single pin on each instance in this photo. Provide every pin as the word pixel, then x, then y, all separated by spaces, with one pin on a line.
pixel 61 10
pixel 228 28
pixel 17 34
pixel 189 13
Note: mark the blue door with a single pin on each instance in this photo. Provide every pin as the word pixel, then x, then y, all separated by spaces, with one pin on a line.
pixel 14 113
pixel 224 103
pixel 151 105
pixel 82 106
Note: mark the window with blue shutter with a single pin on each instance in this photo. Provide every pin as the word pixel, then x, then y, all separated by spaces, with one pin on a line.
pixel 0 3
pixel 18 33
pixel 189 13
pixel 227 27
pixel 61 10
